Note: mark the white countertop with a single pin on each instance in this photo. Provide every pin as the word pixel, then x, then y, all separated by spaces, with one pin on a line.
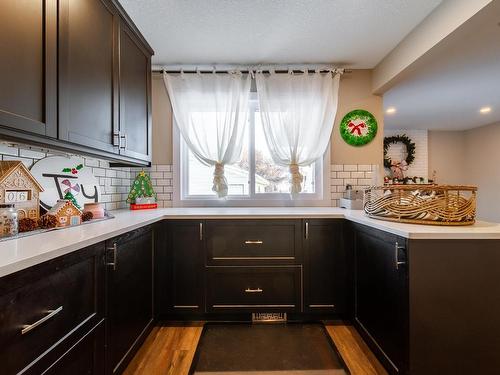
pixel 24 252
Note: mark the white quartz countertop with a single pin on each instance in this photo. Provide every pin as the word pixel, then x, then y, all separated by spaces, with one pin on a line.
pixel 24 252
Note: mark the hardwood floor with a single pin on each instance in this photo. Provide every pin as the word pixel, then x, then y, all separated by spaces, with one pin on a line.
pixel 170 350
pixel 354 351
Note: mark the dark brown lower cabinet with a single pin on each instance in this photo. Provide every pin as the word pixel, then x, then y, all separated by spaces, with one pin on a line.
pixel 381 295
pixel 326 267
pixel 254 289
pixel 86 357
pixel 47 309
pixel 129 295
pixel 184 281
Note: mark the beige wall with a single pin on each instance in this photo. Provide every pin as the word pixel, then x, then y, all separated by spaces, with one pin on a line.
pixel 470 157
pixel 447 156
pixel 355 92
pixel 482 165
pixel 162 122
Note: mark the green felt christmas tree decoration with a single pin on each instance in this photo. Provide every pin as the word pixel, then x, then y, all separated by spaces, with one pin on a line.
pixel 70 197
pixel 141 188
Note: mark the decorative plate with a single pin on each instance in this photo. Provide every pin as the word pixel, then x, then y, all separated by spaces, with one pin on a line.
pixel 59 175
pixel 358 127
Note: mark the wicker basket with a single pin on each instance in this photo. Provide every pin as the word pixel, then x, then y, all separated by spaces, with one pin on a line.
pixel 422 204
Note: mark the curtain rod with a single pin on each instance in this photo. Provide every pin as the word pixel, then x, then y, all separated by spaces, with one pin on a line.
pixel 246 71
pixel 225 68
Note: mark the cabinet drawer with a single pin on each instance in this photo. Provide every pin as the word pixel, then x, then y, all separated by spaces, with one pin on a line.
pixel 254 288
pixel 42 305
pixel 245 241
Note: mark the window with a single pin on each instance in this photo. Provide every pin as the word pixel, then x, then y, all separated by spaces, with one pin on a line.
pixel 255 178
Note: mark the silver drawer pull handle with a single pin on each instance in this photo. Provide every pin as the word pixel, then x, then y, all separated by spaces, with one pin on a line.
pixel 397 262
pixel 254 242
pixel 113 264
pixel 258 290
pixel 51 314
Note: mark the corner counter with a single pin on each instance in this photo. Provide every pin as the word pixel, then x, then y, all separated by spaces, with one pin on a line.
pixel 18 254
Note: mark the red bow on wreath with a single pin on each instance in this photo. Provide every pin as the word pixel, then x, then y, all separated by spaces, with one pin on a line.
pixel 355 127
pixel 75 187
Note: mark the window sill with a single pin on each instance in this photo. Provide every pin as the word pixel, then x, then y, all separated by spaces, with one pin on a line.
pixel 300 202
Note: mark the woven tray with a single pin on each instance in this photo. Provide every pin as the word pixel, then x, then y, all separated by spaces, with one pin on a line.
pixel 422 204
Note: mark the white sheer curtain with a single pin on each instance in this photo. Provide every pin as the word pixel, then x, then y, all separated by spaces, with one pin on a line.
pixel 298 111
pixel 211 111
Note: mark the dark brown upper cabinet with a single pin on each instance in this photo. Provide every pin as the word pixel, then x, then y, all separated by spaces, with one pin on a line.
pixel 135 97
pixel 88 71
pixel 28 67
pixel 75 76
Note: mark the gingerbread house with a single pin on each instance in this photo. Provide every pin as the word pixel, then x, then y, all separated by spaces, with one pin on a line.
pixel 19 187
pixel 66 213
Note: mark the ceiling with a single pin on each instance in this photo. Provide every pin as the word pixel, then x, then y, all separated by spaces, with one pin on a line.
pixel 445 89
pixel 350 33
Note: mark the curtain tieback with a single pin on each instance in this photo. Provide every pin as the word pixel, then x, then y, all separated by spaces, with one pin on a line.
pixel 220 182
pixel 297 179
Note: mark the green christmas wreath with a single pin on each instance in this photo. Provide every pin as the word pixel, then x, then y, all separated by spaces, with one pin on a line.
pixel 358 127
pixel 404 139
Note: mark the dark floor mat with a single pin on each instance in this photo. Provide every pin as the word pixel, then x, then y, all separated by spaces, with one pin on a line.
pixel 261 348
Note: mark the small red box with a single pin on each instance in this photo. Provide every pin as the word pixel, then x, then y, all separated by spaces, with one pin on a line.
pixel 146 206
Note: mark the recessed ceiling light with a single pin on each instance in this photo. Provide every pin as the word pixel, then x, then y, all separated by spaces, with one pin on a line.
pixel 485 110
pixel 390 110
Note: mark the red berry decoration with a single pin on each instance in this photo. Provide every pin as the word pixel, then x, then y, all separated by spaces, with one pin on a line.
pixel 74 171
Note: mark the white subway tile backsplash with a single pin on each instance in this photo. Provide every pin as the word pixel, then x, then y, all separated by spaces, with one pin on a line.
pixel 7 150
pixel 343 174
pixel 337 167
pixel 364 167
pixel 113 196
pixel 103 163
pixel 163 168
pixel 91 162
pixel 116 182
pixel 98 172
pixel 156 174
pixel 31 154
pixel 358 174
pixel 350 167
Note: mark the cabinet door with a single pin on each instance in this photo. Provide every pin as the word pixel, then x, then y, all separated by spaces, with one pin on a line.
pixel 86 357
pixel 130 295
pixel 28 67
pixel 325 267
pixel 381 295
pixel 185 264
pixel 135 96
pixel 88 101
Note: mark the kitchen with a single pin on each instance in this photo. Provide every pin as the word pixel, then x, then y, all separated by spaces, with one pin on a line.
pixel 173 180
